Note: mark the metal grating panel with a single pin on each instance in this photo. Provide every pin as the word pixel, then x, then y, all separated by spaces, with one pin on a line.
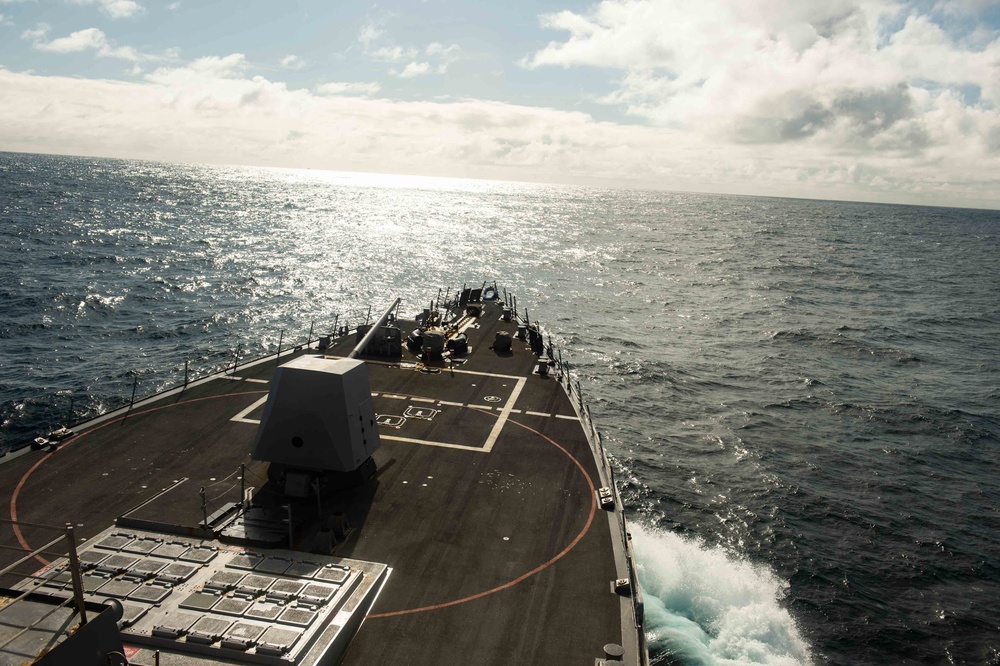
pixel 132 613
pixel 208 630
pixel 285 590
pixel 297 616
pixel 115 541
pixel 277 641
pixel 117 564
pixel 223 580
pixel 303 569
pixel 200 601
pixel 199 554
pixel 221 602
pixel 147 567
pixel 314 593
pixel 273 565
pixel 242 636
pixel 176 573
pixel 91 558
pixel 174 625
pixel 332 574
pixel 254 585
pixel 117 588
pixel 247 560
pixel 143 546
pixel 152 594
pixel 232 606
pixel 264 610
pixel 172 549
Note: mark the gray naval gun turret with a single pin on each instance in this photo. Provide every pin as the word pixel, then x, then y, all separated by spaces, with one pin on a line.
pixel 318 430
pixel 318 426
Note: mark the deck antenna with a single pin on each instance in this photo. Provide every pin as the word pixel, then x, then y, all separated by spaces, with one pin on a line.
pixel 514 299
pixel 236 360
pixel 135 385
pixel 336 320
pixel 204 505
pixel 243 485
pixel 74 567
pixel 185 374
pixel 281 336
pixel 310 336
pixel 69 413
pixel 369 315
pixel 527 322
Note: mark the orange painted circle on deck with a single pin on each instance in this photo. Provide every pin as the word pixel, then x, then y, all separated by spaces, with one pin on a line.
pixel 71 440
pixel 445 604
pixel 539 568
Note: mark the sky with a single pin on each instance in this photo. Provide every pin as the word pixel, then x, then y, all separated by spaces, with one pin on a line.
pixel 873 100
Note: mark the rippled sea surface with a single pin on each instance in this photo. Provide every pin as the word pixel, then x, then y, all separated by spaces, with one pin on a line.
pixel 802 398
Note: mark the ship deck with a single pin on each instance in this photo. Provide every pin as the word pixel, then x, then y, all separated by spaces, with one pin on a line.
pixel 483 505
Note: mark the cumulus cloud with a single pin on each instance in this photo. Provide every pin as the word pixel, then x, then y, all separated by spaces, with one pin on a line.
pixel 368 34
pixel 436 56
pixel 114 8
pixel 392 53
pixel 345 88
pixel 855 77
pixel 439 58
pixel 86 40
pixel 292 62
pixel 36 33
pixel 414 69
pixel 90 39
pixel 213 110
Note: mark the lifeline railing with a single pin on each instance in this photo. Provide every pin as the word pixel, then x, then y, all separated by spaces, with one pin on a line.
pixel 66 535
pixel 226 362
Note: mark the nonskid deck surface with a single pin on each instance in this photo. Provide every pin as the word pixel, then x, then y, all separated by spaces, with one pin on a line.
pixel 483 506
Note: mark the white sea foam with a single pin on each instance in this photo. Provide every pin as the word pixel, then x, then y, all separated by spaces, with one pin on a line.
pixel 708 609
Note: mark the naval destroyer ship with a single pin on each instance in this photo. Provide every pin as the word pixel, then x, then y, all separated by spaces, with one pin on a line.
pixel 428 491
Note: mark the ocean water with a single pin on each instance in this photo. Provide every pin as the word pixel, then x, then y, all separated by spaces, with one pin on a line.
pixel 801 398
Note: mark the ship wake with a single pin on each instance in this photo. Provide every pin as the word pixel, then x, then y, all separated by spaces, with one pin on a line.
pixel 705 608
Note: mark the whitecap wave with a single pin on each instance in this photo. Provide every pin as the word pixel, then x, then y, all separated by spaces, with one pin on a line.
pixel 705 608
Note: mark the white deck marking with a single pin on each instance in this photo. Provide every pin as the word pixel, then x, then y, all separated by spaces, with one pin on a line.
pixel 568 417
pixel 504 414
pixel 246 379
pixel 426 442
pixel 242 416
pixel 491 440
